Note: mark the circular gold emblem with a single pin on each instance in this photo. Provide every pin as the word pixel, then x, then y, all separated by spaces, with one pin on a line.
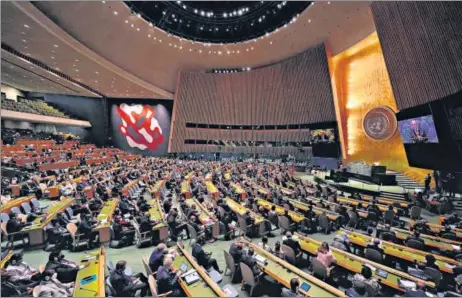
pixel 380 123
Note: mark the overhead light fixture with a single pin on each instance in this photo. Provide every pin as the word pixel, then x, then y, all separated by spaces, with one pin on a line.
pixel 116 13
pixel 26 26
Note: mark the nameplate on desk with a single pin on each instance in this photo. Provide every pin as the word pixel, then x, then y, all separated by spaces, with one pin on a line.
pixel 88 279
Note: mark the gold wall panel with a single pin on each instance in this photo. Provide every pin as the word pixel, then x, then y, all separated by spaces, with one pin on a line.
pixel 360 81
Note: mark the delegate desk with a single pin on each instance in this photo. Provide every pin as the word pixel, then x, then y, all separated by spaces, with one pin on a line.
pixel 285 191
pixel 353 202
pixel 207 219
pixel 402 252
pixel 241 210
pixel 283 272
pixel 431 241
pixel 156 213
pixel 15 203
pixel 58 165
pixel 354 264
pixel 104 217
pixel 386 201
pixel 261 190
pixel 95 161
pixel 280 210
pixel 90 281
pixel 126 189
pixel 212 189
pixel 238 190
pixel 189 176
pixel 185 189
pixel 35 231
pixel 157 188
pixel 6 259
pixel 436 228
pixel 227 176
pixel 332 216
pixel 205 286
pixel 331 205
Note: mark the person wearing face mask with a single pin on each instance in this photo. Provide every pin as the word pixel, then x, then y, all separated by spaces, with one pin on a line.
pixel 66 270
pixel 52 287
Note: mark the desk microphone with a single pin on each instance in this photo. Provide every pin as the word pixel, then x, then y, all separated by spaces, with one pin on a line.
pixel 96 292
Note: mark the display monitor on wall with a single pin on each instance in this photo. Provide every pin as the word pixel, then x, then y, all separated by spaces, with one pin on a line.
pixel 323 135
pixel 419 130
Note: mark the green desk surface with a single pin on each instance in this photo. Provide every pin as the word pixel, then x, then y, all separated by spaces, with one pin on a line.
pixel 52 211
pixel 94 268
pixel 241 210
pixel 197 289
pixel 204 218
pixel 107 211
pixel 155 213
pixel 280 210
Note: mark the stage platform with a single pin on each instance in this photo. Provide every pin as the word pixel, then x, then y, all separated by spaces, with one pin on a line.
pixel 353 185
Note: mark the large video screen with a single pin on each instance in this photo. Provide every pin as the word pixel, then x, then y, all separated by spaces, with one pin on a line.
pixel 323 135
pixel 419 130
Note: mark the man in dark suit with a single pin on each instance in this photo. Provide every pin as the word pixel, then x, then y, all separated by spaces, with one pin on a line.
pixel 292 243
pixel 416 237
pixel 167 279
pixel 157 257
pixel 236 251
pixel 250 261
pixel 66 270
pixel 375 245
pixel 203 258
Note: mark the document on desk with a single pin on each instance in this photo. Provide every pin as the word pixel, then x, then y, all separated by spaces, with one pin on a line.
pixel 456 247
pixel 407 284
pixel 260 259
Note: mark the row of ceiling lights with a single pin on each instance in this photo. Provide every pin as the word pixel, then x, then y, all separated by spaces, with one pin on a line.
pixel 231 70
pixel 75 69
pixel 181 40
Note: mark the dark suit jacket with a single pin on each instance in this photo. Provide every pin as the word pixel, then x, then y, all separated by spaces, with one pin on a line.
pixel 200 255
pixel 66 273
pixel 236 253
pixel 293 244
pixel 156 260
pixel 166 281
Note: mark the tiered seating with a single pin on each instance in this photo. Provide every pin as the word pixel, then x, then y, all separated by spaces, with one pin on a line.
pixel 32 107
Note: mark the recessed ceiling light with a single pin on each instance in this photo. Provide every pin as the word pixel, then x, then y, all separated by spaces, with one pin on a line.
pixel 137 29
pixel 96 72
pixel 55 45
pixel 116 13
pixel 27 26
pixel 76 60
pixel 52 57
pixel 126 21
pixel 24 40
pixel 23 33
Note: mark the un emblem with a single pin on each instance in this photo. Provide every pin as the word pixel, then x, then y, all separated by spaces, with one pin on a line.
pixel 380 123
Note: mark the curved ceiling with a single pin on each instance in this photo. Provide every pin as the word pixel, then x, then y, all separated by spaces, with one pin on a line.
pixel 121 55
pixel 218 21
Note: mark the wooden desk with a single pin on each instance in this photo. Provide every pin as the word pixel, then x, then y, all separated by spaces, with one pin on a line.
pixel 386 201
pixel 35 231
pixel 106 214
pixel 126 189
pixel 436 228
pixel 241 210
pixel 354 202
pixel 205 286
pixel 354 264
pixel 238 189
pixel 297 217
pixel 97 287
pixel 15 203
pixel 333 216
pixel 261 190
pixel 283 272
pixel 190 175
pixel 157 188
pixel 6 259
pixel 227 176
pixel 285 191
pixel 185 189
pixel 212 189
pixel 402 252
pixel 304 207
pixel 58 165
pixel 156 213
pixel 431 241
pixel 205 217
pixel 95 161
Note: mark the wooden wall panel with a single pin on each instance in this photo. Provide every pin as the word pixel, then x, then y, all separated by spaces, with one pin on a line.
pixel 294 91
pixel 422 47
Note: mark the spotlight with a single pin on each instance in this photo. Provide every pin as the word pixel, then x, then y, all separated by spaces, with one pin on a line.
pixel 202 13
pixel 248 68
pixel 225 14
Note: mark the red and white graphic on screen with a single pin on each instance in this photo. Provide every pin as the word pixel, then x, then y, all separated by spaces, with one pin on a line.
pixel 140 127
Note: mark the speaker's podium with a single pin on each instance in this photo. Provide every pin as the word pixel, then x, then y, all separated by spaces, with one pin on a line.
pixel 362 171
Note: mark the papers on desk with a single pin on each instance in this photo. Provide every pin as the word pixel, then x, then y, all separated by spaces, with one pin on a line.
pixel 456 247
pixel 191 277
pixel 450 266
pixel 371 267
pixel 407 284
pixel 260 259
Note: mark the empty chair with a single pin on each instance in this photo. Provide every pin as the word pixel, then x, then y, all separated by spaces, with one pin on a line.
pixel 285 225
pixel 248 278
pixel 450 236
pixel 373 255
pixel 434 275
pixel 415 244
pixel 353 221
pixel 16 210
pixel 274 220
pixel 12 237
pixel 26 207
pixel 415 212
pixel 286 206
pixel 146 267
pixel 388 217
pixel 4 217
pixel 324 223
pixel 230 264
pixel 192 233
pixel 110 266
pixel 245 229
pixel 142 237
pixel 111 292
pixel 221 211
pixel 223 232
pixel 78 240
pixel 319 269
pixel 153 287
pixel 289 254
